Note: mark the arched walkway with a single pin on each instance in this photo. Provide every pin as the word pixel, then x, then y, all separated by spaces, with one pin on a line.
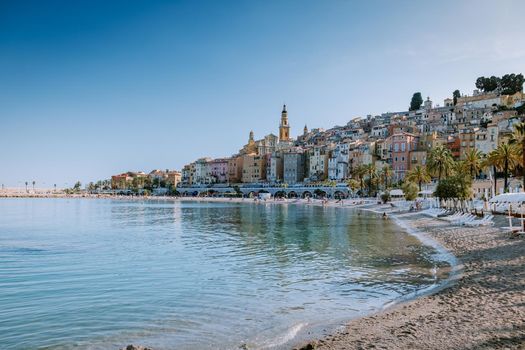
pixel 320 193
pixel 280 194
pixel 339 195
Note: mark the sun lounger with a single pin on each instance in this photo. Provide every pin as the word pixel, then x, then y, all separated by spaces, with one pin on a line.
pixel 486 221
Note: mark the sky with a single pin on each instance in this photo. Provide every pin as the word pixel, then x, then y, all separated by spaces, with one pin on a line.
pixel 94 88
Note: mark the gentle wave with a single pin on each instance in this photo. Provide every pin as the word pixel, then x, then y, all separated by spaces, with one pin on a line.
pixel 100 274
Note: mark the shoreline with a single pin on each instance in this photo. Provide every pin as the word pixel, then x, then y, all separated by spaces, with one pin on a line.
pixel 481 307
pixel 480 304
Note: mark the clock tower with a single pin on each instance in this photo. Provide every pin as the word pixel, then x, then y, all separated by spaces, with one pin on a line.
pixel 284 127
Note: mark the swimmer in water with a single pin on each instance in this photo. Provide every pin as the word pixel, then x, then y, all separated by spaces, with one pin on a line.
pixel 385 216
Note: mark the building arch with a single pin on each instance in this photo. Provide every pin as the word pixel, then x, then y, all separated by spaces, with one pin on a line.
pixel 280 194
pixel 339 195
pixel 319 193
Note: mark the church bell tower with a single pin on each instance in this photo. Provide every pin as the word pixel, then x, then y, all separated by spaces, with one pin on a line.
pixel 284 127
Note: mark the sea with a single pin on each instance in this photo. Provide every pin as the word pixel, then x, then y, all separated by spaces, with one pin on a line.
pixel 175 274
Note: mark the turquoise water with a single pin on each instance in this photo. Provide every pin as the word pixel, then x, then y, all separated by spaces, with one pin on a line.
pixel 100 274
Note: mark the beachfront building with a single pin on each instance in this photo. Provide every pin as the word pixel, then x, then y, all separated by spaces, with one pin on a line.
pixel 274 168
pixel 401 144
pixel 253 168
pixel 293 166
pixel 338 164
pixel 219 170
pixel 121 181
pixel 486 140
pixel 173 178
pixel 203 171
pixel 467 138
pixel 317 161
pixel 188 174
pixel 235 168
pixel 128 180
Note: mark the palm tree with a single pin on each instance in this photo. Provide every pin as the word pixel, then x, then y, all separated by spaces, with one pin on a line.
pixel 359 173
pixel 418 175
pixel 386 174
pixel 492 161
pixel 473 162
pixel 506 157
pixel 27 183
pixel 440 161
pixel 518 137
pixel 371 171
pixel 352 184
pixel 34 185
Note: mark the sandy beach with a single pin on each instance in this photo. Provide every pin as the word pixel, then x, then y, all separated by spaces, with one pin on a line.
pixel 483 308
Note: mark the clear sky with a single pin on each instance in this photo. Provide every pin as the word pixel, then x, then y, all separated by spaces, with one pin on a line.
pixel 93 88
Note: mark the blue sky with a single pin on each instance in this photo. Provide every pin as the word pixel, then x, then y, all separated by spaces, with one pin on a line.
pixel 93 88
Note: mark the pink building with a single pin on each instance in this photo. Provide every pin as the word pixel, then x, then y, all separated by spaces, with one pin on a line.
pixel 401 144
pixel 219 169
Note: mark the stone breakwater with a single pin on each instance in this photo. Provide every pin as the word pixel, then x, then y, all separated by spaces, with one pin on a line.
pixel 484 308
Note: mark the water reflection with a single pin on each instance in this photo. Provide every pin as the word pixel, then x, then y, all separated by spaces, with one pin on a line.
pixel 99 274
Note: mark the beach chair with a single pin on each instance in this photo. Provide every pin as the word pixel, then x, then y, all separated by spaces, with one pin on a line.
pixel 463 219
pixel 486 221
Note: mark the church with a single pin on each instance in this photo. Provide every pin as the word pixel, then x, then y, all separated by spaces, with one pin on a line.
pixel 270 143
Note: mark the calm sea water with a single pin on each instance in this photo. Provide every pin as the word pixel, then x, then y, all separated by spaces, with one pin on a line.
pixel 100 274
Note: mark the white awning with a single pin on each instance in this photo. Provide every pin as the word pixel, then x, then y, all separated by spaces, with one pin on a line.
pixel 426 192
pixel 509 198
pixel 397 192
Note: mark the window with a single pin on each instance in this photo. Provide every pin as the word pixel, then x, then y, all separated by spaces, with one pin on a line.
pixel 403 147
pixel 396 147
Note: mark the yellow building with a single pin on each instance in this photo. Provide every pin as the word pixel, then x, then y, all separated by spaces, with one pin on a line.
pixel 253 168
pixel 173 178
pixel 235 168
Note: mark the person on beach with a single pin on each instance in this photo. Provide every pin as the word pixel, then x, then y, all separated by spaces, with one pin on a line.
pixel 385 216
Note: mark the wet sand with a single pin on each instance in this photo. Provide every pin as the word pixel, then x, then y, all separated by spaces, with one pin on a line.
pixel 483 308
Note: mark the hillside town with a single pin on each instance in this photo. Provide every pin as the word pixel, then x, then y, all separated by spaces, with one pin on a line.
pixel 366 154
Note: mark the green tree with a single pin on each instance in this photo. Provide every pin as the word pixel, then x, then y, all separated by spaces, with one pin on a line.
pixel 352 184
pixel 454 187
pixel 511 83
pixel 506 157
pixel 492 162
pixel 455 95
pixel 488 84
pixel 416 102
pixel 77 186
pixel 440 162
pixel 473 162
pixel 359 173
pixel 410 190
pixel 418 175
pixel 372 176
pixel 385 196
pixel 386 175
